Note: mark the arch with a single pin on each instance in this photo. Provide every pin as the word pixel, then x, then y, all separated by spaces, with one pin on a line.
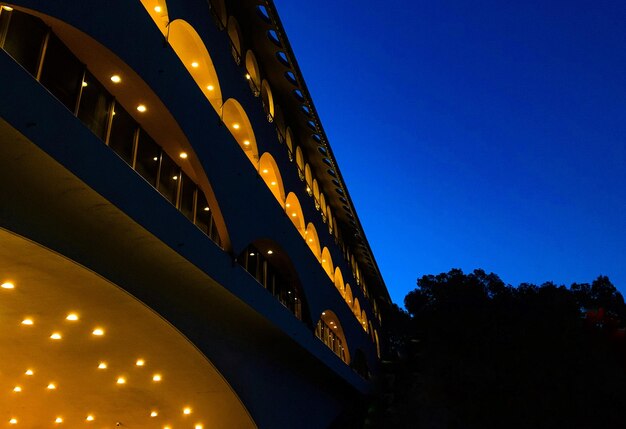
pixel 364 320
pixel 327 262
pixel 219 10
pixel 294 211
pixel 271 176
pixel 338 280
pixel 348 295
pixel 313 240
pixel 300 162
pixel 268 100
pixel 323 206
pixel 194 55
pixel 308 178
pixel 240 127
pixel 356 309
pixel 254 74
pixel 330 219
pixel 377 343
pixel 316 194
pixel 234 33
pixel 271 266
pixel 289 142
pixel 371 331
pixel 336 229
pixel 330 331
pixel 158 12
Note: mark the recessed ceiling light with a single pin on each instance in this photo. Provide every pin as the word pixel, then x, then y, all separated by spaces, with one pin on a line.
pixel 58 420
pixel 293 214
pixel 7 285
pixel 98 332
pixel 236 126
pixel 102 365
pixel 51 386
pixel 246 142
pixel 121 380
pixel 175 177
pixel 72 317
pixel 248 76
pixel 158 9
pixel 273 183
pixel 154 414
pixel 156 377
pixel 116 78
pixel 269 252
pixel 27 322
pixel 195 64
pixel 90 418
pixel 55 336
pixel 183 155
pixel 206 209
pixel 17 389
pixel 210 87
pixel 265 171
pixel 140 362
pixel 29 372
pixel 142 108
pixel 187 410
pixel 12 421
pixel 85 84
pixel 287 205
pixel 198 426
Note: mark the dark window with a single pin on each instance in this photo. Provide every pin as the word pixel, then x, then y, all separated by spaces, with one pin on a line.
pixel 187 190
pixel 94 106
pixel 24 38
pixel 148 158
pixel 169 178
pixel 61 72
pixel 122 136
pixel 204 220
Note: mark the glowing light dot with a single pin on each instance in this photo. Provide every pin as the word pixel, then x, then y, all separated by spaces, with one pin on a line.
pixel 158 9
pixel 72 316
pixel 27 322
pixel 12 421
pixel 183 155
pixel 293 215
pixel 102 365
pixel 98 332
pixel 265 171
pixel 85 84
pixel 7 285
pixel 56 336
pixel 194 64
pixel 90 418
pixel 155 158
pixel 142 108
pixel 236 126
pixel 246 142
pixel 310 240
pixel 206 209
pixel 121 380
pixel 270 252
pixel 187 410
pixel 8 9
pixel 17 389
pixel 287 205
pixel 29 372
pixel 248 76
pixel 175 177
pixel 273 183
pixel 140 362
pixel 51 386
pixel 198 426
pixel 116 78
pixel 210 87
pixel 58 420
pixel 156 377
pixel 154 414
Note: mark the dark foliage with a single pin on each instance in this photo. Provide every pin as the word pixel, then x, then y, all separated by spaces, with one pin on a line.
pixel 477 353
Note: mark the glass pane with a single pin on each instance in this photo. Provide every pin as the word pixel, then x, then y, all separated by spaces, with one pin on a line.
pixel 24 38
pixel 62 73
pixel 148 158
pixel 203 213
pixel 122 136
pixel 94 106
pixel 186 196
pixel 169 178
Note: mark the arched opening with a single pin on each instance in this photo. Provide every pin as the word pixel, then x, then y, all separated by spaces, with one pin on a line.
pixel 158 12
pixel 219 10
pixel 300 162
pixel 254 74
pixel 308 177
pixel 267 100
pixel 294 211
pixel 348 295
pixel 313 240
pixel 330 219
pixel 327 262
pixel 338 280
pixel 377 343
pixel 234 33
pixel 189 47
pixel 356 309
pixel 316 194
pixel 240 127
pixel 329 330
pixel 271 176
pixel 323 206
pixel 364 321
pixel 289 142
pixel 270 265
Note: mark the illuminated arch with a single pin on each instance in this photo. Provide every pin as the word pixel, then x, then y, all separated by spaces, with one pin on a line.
pixel 300 162
pixel 189 47
pixel 158 12
pixel 330 219
pixel 364 320
pixel 338 280
pixel 252 67
pixel 308 177
pixel 316 194
pixel 327 262
pixel 329 330
pixel 336 228
pixel 371 331
pixel 294 211
pixel 268 100
pixel 356 309
pixel 313 240
pixel 289 142
pixel 323 206
pixel 377 343
pixel 234 33
pixel 348 295
pixel 220 11
pixel 271 176
pixel 239 126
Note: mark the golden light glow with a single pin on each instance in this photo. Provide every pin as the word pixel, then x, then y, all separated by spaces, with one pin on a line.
pixel 206 209
pixel 142 108
pixel 175 177
pixel 56 336
pixel 273 183
pixel 17 389
pixel 156 377
pixel 121 380
pixel 236 126
pixel 116 78
pixel 7 8
pixel 154 414
pixel 246 142
pixel 158 9
pixel 198 426
pixel 102 365
pixel 140 362
pixel 29 372
pixel 51 386
pixel 287 205
pixel 27 322
pixel 187 410
pixel 265 171
pixel 84 84
pixel 7 285
pixel 270 252
pixel 195 65
pixel 98 332
pixel 58 420
pixel 72 317
pixel 183 155
pixel 13 421
pixel 210 87
pixel 293 214
pixel 248 76
pixel 90 418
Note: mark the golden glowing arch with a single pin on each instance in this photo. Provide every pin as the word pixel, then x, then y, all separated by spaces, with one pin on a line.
pixel 316 194
pixel 327 262
pixel 237 122
pixel 356 309
pixel 377 343
pixel 234 33
pixel 313 240
pixel 294 211
pixel 252 67
pixel 308 177
pixel 338 280
pixel 300 162
pixel 364 321
pixel 330 319
pixel 189 47
pixel 271 176
pixel 268 100
pixel 330 219
pixel 348 295
pixel 158 12
pixel 323 206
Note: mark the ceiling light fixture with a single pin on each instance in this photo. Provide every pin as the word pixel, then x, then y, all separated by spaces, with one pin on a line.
pixel 72 317
pixel 142 108
pixel 7 285
pixel 116 78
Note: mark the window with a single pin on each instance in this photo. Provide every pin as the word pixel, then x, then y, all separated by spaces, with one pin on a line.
pixel 61 72
pixel 24 38
pixel 94 105
pixel 169 178
pixel 148 158
pixel 187 195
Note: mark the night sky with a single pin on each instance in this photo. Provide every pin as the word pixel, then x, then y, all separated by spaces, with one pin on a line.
pixel 475 134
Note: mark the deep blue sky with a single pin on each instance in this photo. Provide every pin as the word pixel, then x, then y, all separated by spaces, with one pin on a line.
pixel 475 134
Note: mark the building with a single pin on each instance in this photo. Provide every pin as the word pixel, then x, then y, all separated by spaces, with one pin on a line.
pixel 178 248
